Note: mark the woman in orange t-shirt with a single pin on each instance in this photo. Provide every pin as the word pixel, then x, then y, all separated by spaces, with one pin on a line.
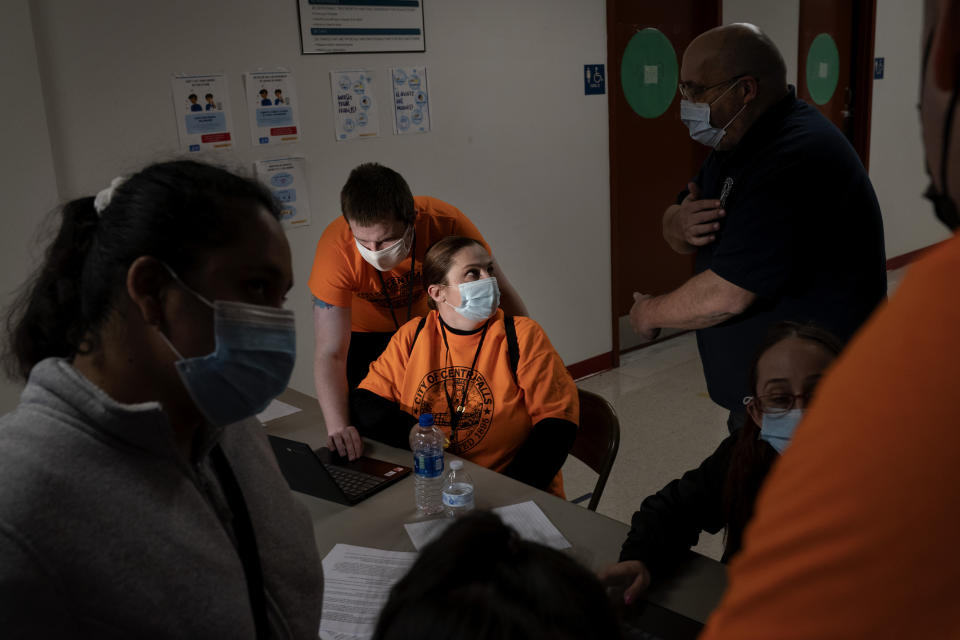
pixel 494 384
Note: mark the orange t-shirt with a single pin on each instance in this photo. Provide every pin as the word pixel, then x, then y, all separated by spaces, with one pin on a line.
pixel 341 277
pixel 499 411
pixel 855 531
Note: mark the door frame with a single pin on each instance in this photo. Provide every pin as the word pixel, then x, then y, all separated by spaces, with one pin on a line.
pixel 613 93
pixel 864 41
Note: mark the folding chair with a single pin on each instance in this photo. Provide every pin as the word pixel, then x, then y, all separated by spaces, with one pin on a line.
pixel 598 440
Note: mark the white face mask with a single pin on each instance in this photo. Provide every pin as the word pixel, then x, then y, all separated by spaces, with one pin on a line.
pixel 696 115
pixel 479 299
pixel 386 259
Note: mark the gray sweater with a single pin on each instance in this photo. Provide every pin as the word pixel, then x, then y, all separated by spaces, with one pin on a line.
pixel 105 532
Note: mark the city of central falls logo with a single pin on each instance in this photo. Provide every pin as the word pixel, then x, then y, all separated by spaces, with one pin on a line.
pixel 440 392
pixel 398 290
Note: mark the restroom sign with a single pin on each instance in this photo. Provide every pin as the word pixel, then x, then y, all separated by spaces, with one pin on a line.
pixel 594 80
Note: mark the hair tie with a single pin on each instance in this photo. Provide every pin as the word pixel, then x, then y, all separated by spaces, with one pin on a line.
pixel 102 201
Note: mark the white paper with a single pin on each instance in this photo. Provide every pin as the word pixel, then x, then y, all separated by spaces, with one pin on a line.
pixel 530 522
pixel 202 108
pixel 356 585
pixel 424 532
pixel 287 180
pixel 824 69
pixel 272 107
pixel 276 410
pixel 331 26
pixel 650 74
pixel 411 101
pixel 354 105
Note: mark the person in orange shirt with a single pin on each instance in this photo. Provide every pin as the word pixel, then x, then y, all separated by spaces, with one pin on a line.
pixel 855 531
pixel 720 493
pixel 365 283
pixel 494 384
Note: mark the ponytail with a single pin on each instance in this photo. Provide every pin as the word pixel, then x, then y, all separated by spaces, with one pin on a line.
pixel 173 211
pixel 46 318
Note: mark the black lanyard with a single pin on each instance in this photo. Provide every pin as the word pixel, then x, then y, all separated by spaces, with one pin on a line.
pixel 246 540
pixel 383 285
pixel 456 411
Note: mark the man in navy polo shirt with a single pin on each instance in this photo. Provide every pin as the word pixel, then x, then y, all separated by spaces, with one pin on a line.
pixel 782 215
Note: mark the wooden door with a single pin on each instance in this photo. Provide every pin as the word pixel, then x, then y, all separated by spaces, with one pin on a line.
pixel 835 64
pixel 651 156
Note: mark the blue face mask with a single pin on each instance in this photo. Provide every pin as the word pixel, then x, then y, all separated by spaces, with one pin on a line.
pixel 250 365
pixel 696 115
pixel 479 299
pixel 778 429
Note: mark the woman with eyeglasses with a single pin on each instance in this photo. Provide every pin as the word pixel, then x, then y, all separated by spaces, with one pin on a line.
pixel 720 493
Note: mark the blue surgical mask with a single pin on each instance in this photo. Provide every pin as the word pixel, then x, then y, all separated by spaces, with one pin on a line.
pixel 778 429
pixel 696 115
pixel 250 365
pixel 479 299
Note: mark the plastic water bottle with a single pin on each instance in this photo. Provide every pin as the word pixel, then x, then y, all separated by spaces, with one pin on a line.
pixel 457 490
pixel 426 442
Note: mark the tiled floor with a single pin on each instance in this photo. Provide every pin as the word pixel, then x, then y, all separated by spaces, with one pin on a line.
pixel 668 425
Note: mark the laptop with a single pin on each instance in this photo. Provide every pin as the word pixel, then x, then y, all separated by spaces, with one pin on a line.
pixel 648 621
pixel 324 474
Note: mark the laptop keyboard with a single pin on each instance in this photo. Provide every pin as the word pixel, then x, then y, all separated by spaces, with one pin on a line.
pixel 353 483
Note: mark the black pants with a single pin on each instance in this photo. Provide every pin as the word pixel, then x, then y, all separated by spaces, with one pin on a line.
pixel 364 348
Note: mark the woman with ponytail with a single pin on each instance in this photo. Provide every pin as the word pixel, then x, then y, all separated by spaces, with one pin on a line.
pixel 138 494
pixel 720 493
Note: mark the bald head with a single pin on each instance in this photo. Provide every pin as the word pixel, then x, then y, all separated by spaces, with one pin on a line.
pixel 734 50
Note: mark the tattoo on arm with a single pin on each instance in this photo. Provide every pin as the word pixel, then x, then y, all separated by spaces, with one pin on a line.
pixel 317 302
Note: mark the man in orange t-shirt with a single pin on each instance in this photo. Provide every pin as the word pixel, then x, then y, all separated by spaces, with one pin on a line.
pixel 365 283
pixel 855 532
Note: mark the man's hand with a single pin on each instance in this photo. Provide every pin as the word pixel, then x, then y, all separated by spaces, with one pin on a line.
pixel 638 318
pixel 630 575
pixel 693 223
pixel 346 442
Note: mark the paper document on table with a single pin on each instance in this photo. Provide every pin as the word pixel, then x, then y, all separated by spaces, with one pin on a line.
pixel 276 409
pixel 530 522
pixel 423 533
pixel 356 584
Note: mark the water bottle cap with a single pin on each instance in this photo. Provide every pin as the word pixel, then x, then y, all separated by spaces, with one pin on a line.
pixel 426 419
pixel 456 464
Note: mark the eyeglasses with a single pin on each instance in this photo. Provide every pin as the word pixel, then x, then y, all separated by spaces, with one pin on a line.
pixel 777 404
pixel 689 90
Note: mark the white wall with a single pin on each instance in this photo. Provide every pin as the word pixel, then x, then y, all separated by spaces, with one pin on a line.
pixel 29 184
pixel 896 150
pixel 515 143
pixel 777 18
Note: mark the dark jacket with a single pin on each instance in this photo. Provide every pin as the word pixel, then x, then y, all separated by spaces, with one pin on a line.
pixel 670 521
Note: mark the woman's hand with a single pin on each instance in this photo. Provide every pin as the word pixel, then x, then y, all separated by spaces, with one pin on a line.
pixel 630 575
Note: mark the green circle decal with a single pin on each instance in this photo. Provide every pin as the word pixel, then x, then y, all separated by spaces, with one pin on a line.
pixel 823 68
pixel 649 73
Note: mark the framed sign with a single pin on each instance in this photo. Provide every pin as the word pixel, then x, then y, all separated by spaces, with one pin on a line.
pixel 361 26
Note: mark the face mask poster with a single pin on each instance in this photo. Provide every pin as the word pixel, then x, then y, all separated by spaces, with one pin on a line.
pixel 202 109
pixel 272 107
pixel 354 105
